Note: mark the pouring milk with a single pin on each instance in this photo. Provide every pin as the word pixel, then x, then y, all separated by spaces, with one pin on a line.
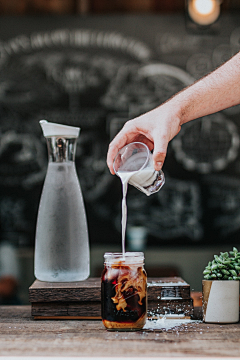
pixel 134 165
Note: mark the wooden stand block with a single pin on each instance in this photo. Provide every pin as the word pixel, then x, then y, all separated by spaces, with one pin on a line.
pixel 82 300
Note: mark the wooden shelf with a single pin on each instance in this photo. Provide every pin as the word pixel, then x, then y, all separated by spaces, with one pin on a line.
pixel 81 300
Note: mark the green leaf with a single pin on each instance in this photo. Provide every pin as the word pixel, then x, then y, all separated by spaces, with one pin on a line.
pixel 221 266
pixel 206 271
pixel 225 272
pixel 207 277
pixel 218 259
pixel 225 254
pixel 227 262
pixel 233 272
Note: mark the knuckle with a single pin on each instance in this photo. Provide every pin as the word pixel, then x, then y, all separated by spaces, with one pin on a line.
pixel 161 154
pixel 128 124
pixel 110 146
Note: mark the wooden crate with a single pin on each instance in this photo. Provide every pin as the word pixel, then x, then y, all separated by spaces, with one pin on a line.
pixel 82 300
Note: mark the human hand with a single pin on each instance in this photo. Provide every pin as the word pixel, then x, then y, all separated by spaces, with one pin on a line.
pixel 155 129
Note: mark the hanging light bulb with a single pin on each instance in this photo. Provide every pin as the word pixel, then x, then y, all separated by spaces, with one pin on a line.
pixel 204 7
pixel 204 12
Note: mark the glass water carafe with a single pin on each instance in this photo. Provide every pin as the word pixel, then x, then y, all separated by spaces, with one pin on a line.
pixel 62 246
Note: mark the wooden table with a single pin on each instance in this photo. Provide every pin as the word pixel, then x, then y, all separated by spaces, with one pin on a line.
pixel 20 335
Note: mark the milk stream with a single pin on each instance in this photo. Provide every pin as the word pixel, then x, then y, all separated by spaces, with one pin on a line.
pixel 124 176
pixel 136 178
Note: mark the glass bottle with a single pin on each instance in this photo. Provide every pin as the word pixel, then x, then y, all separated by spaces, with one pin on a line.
pixel 62 246
pixel 124 291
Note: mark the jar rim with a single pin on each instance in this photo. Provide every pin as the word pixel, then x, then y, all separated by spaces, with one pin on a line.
pixel 127 258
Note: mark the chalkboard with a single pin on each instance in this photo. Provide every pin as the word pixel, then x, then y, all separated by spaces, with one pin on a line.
pixel 97 72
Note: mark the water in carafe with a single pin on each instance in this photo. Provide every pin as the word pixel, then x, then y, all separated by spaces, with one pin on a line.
pixel 62 246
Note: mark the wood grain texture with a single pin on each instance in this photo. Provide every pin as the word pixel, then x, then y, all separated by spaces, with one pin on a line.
pixel 81 299
pixel 20 335
pixel 92 309
pixel 90 290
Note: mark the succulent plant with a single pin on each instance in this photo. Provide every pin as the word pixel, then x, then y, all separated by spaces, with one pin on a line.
pixel 225 266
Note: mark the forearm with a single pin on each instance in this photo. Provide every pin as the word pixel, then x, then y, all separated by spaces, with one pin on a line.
pixel 216 91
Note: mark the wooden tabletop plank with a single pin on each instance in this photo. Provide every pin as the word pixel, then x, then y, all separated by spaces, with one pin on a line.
pixel 20 335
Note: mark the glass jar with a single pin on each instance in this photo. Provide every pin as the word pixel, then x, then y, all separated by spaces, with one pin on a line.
pixel 124 291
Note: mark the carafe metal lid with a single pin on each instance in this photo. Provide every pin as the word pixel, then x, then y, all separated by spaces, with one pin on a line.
pixel 53 129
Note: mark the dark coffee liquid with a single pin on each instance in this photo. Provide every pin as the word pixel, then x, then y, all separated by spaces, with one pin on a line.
pixel 123 294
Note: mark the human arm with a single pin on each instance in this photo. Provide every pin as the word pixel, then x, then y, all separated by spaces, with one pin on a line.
pixel 214 92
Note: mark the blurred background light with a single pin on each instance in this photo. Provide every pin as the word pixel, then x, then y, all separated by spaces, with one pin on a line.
pixel 204 12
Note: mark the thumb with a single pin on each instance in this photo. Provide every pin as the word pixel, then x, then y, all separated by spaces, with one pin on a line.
pixel 159 152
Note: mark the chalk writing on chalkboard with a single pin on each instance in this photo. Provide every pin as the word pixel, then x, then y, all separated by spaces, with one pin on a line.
pixel 97 80
pixel 208 144
pixel 224 203
pixel 174 213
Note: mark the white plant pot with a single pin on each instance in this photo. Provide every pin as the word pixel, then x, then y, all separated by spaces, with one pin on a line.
pixel 220 301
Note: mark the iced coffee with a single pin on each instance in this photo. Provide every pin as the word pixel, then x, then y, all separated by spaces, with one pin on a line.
pixel 124 292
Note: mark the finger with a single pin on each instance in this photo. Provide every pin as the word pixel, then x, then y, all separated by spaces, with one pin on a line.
pixel 114 147
pixel 160 151
pixel 117 163
pixel 117 143
pixel 142 138
pixel 128 134
pixel 112 151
